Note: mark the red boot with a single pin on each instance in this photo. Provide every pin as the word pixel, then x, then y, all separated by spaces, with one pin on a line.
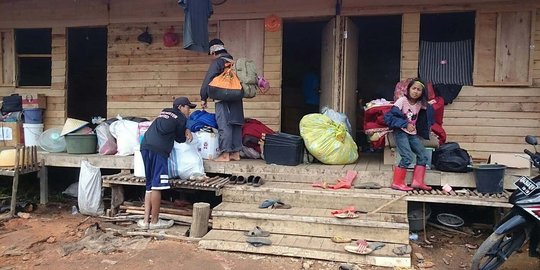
pixel 399 179
pixel 418 178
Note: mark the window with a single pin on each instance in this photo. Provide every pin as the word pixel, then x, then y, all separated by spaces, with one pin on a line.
pixel 33 57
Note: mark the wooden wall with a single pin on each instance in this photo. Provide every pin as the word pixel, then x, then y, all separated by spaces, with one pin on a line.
pixel 410 45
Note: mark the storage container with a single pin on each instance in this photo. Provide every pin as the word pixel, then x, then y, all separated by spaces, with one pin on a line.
pixel 489 178
pixel 81 143
pixel 283 149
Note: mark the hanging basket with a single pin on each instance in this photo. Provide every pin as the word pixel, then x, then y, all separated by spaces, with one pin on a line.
pixel 272 23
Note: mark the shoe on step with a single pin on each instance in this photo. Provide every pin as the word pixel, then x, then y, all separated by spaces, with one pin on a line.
pixel 161 224
pixel 142 224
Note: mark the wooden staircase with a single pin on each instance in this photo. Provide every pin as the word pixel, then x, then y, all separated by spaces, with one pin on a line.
pixel 305 229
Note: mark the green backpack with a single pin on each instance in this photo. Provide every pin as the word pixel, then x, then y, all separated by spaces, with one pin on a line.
pixel 247 74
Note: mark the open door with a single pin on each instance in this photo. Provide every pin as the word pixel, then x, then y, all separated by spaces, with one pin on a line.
pixel 349 82
pixel 329 66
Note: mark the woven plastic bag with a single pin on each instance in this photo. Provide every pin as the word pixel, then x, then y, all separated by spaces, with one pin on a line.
pixel 327 140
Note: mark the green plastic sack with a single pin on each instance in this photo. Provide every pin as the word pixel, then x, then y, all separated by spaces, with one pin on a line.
pixel 328 141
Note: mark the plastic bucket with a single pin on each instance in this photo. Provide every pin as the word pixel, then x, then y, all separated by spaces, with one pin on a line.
pixel 81 143
pixel 489 178
pixel 31 133
pixel 415 217
pixel 138 164
pixel 33 116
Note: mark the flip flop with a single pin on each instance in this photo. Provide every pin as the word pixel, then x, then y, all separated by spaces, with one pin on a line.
pixel 322 185
pixel 268 203
pixel 368 185
pixel 258 241
pixel 376 245
pixel 344 210
pixel 240 180
pixel 257 181
pixel 280 205
pixel 232 180
pixel 361 248
pixel 250 180
pixel 340 239
pixel 257 232
pixel 402 250
pixel 347 215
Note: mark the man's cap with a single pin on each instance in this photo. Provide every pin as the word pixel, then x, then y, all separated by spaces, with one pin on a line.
pixel 215 45
pixel 183 101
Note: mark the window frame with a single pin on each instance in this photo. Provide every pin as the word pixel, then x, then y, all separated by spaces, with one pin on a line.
pixel 18 58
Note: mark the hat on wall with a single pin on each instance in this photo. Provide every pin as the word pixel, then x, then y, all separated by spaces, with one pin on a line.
pixel 183 101
pixel 72 125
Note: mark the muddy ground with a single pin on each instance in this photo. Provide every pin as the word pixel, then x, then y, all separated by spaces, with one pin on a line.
pixel 53 238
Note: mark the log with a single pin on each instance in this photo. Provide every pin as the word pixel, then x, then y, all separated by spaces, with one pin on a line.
pixel 179 218
pixel 161 210
pixel 199 226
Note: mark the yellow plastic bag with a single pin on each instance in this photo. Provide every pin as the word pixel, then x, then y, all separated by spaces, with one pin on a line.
pixel 328 141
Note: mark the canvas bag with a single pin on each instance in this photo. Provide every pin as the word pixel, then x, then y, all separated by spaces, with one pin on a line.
pixel 247 73
pixel 226 86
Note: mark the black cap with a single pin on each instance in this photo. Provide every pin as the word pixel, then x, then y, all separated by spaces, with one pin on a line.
pixel 215 41
pixel 183 101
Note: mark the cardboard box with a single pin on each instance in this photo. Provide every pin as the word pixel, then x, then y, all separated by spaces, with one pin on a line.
pixel 391 156
pixel 11 133
pixel 517 164
pixel 38 101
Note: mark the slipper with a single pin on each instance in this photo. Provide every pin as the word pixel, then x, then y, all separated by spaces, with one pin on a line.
pixel 368 185
pixel 340 184
pixel 402 250
pixel 361 248
pixel 257 181
pixel 257 232
pixel 240 180
pixel 346 266
pixel 347 215
pixel 232 180
pixel 280 205
pixel 268 203
pixel 345 182
pixel 344 210
pixel 250 180
pixel 323 185
pixel 340 239
pixel 258 241
pixel 376 245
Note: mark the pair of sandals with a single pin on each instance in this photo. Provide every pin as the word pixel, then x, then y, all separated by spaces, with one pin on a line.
pixel 252 180
pixel 347 213
pixel 258 237
pixel 274 204
pixel 362 247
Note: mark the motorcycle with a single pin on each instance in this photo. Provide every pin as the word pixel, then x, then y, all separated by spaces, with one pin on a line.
pixel 522 223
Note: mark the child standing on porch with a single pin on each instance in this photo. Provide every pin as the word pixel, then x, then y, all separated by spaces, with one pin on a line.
pixel 409 118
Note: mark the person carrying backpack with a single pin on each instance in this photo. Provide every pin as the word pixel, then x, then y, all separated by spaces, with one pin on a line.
pixel 409 118
pixel 229 114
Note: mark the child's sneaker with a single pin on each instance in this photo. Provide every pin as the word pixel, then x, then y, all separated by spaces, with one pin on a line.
pixel 142 224
pixel 161 224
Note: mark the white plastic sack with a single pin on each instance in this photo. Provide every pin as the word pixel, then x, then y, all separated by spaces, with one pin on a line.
pixel 127 136
pixel 208 144
pixel 185 161
pixel 106 141
pixel 338 117
pixel 89 199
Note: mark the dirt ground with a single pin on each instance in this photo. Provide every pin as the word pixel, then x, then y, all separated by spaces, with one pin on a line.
pixel 48 240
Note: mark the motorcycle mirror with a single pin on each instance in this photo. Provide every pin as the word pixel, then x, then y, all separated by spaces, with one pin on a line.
pixel 531 140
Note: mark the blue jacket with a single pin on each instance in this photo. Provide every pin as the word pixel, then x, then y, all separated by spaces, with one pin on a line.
pixel 396 119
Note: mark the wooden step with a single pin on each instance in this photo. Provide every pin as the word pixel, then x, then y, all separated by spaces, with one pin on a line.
pixel 303 247
pixel 303 195
pixel 311 222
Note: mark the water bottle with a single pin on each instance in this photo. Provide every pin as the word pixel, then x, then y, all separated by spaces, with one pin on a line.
pixel 74 210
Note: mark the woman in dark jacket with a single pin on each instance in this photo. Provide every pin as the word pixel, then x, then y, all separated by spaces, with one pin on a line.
pixel 229 114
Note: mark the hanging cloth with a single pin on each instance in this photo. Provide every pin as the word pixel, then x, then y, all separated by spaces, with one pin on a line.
pixel 446 62
pixel 196 14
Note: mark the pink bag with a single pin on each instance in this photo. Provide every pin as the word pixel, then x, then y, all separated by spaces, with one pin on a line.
pixel 263 84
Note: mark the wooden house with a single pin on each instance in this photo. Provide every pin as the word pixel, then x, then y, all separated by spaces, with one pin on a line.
pixel 85 57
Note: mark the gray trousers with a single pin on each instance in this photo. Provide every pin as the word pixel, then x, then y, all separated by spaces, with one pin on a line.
pixel 230 135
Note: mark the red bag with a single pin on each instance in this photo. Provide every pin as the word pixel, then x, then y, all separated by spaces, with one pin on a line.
pixel 170 38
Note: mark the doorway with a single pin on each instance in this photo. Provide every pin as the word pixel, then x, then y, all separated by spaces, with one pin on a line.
pixel 87 73
pixel 301 72
pixel 379 54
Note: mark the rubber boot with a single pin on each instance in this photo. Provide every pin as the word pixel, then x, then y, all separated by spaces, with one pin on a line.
pixel 418 178
pixel 399 179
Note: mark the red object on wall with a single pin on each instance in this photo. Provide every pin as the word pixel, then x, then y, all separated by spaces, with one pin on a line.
pixel 170 38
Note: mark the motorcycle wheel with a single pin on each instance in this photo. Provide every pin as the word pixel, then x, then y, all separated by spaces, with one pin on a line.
pixel 497 248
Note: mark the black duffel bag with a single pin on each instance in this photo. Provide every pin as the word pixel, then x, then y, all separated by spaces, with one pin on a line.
pixel 450 157
pixel 12 103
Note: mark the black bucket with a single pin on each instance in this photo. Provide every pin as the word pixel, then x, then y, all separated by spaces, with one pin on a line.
pixel 489 178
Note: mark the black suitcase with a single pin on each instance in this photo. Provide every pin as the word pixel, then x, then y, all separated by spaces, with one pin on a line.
pixel 283 149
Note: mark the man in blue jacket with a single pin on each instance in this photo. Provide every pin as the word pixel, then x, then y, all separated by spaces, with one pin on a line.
pixel 168 127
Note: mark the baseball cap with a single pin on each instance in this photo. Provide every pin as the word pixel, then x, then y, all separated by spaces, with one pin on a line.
pixel 183 101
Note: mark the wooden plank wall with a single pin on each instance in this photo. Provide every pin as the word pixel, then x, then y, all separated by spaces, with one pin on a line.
pixel 536 53
pixel 56 111
pixel 410 45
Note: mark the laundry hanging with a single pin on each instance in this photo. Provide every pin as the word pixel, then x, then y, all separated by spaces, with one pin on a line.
pixel 446 62
pixel 196 14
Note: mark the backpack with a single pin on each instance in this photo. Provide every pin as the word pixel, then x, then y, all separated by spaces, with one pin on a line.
pixel 449 157
pixel 247 73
